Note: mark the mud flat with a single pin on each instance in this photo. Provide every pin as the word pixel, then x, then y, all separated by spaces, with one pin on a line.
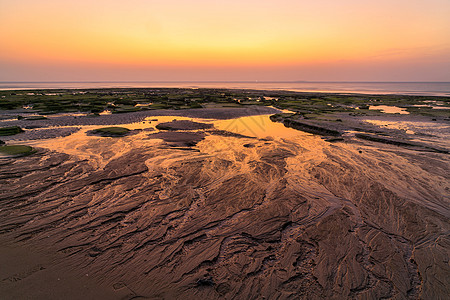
pixel 133 117
pixel 63 125
pixel 257 211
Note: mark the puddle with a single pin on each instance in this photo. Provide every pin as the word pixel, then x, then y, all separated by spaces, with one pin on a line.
pixel 389 109
pixel 258 126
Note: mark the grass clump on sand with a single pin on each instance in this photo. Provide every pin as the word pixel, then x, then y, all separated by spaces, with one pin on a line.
pixel 10 130
pixel 16 150
pixel 32 118
pixel 111 131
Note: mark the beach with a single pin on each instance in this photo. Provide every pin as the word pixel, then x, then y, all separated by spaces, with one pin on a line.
pixel 226 203
pixel 224 150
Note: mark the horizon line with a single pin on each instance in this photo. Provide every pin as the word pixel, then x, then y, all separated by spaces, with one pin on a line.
pixel 223 81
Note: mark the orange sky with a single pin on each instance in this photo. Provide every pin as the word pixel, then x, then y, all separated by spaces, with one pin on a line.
pixel 224 40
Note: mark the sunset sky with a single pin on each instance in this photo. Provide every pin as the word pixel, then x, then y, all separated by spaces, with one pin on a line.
pixel 159 40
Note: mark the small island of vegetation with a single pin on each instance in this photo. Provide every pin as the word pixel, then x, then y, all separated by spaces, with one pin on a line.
pixel 16 150
pixel 111 131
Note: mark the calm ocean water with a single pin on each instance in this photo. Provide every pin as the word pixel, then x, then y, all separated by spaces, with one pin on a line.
pixel 405 88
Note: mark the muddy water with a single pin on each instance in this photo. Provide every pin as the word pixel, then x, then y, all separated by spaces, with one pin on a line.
pixel 253 210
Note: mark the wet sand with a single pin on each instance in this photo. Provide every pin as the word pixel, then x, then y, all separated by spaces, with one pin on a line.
pixel 291 216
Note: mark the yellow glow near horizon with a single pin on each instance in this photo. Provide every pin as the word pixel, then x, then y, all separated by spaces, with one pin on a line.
pixel 215 33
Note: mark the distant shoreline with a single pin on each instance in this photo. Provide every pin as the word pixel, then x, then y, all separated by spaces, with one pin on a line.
pixel 435 89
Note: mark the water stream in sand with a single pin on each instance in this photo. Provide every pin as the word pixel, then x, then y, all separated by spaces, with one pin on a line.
pixel 101 150
pixel 260 136
pixel 258 133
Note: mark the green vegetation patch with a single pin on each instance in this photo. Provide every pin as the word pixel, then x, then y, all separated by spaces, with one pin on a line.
pixel 32 118
pixel 125 109
pixel 118 100
pixel 4 131
pixel 429 111
pixel 111 131
pixel 16 150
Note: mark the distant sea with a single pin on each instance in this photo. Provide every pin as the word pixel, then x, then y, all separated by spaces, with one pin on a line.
pixel 403 88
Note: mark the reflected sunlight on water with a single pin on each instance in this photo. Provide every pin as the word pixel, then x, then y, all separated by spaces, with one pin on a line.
pixel 258 126
pixel 100 150
pixel 390 109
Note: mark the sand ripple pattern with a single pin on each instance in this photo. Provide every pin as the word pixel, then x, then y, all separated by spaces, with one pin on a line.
pixel 280 220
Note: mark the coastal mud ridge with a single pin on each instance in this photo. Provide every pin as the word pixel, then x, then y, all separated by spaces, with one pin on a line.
pixel 311 128
pixel 280 219
pixel 335 131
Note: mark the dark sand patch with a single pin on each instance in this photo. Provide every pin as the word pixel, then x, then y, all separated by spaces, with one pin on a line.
pixel 43 133
pixel 179 139
pixel 183 125
pixel 229 134
pixel 29 273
